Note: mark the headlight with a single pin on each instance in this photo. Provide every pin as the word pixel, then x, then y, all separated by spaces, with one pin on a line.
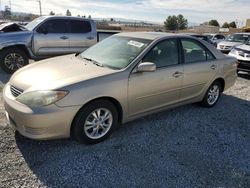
pixel 247 54
pixel 41 98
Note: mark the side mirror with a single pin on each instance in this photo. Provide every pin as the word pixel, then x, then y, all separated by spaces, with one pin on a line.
pixel 146 67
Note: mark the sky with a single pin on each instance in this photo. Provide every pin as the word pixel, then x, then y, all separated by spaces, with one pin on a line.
pixel 196 11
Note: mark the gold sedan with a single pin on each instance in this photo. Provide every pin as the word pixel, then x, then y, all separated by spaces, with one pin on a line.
pixel 126 76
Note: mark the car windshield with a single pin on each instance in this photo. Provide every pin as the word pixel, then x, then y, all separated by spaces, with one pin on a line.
pixel 116 51
pixel 248 42
pixel 238 38
pixel 30 26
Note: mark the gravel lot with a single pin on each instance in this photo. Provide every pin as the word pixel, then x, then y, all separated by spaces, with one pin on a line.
pixel 189 146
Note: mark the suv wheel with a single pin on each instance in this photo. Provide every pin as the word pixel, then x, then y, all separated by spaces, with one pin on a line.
pixel 95 122
pixel 12 59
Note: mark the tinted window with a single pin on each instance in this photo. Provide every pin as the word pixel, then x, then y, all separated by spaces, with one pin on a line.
pixel 163 54
pixel 54 26
pixel 195 52
pixel 79 26
pixel 220 37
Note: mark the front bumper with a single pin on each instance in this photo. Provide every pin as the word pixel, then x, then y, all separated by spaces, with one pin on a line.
pixel 224 49
pixel 244 66
pixel 48 122
pixel 244 62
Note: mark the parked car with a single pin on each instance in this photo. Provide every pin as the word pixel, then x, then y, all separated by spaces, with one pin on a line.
pixel 44 37
pixel 126 76
pixel 232 41
pixel 215 38
pixel 242 53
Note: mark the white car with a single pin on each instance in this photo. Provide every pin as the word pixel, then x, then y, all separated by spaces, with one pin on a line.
pixel 215 38
pixel 242 53
pixel 232 41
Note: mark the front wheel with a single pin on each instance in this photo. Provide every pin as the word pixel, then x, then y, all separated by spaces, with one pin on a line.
pixel 212 95
pixel 95 122
pixel 12 59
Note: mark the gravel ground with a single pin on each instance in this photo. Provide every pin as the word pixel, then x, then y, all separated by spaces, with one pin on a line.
pixel 189 146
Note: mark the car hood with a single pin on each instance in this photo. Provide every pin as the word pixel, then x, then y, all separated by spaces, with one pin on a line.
pixel 244 47
pixel 14 38
pixel 228 43
pixel 56 73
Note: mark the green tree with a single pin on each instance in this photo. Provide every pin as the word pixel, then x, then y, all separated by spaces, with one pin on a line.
pixel 7 12
pixel 214 23
pixel 176 22
pixel 182 22
pixel 171 23
pixel 68 13
pixel 232 25
pixel 51 13
pixel 89 17
pixel 225 25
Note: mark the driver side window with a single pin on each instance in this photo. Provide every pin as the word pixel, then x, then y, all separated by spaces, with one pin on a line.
pixel 164 54
pixel 53 26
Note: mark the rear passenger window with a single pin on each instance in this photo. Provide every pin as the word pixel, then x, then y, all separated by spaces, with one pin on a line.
pixel 195 52
pixel 80 26
pixel 163 54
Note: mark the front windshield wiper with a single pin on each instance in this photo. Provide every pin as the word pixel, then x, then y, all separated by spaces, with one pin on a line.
pixel 100 64
pixel 93 61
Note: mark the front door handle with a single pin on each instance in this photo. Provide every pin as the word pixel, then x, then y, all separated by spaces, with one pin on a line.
pixel 213 67
pixel 177 74
pixel 64 37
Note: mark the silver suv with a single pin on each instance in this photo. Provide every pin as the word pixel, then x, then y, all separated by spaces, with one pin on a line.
pixel 44 37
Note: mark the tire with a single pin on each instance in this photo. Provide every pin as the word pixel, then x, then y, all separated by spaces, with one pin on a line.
pixel 207 100
pixel 11 59
pixel 85 124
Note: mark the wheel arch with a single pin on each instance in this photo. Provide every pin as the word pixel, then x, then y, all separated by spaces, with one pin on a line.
pixel 20 47
pixel 222 81
pixel 111 99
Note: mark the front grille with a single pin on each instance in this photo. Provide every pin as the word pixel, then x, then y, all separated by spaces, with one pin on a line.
pixel 15 91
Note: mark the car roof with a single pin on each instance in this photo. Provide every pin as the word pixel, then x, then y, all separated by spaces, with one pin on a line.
pixel 64 17
pixel 150 35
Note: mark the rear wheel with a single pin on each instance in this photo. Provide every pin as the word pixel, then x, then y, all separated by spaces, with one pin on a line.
pixel 12 59
pixel 212 95
pixel 95 122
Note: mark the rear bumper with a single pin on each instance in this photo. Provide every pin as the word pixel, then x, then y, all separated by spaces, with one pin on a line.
pixel 42 123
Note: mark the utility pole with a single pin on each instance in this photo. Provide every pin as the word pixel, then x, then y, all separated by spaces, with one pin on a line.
pixel 10 4
pixel 40 6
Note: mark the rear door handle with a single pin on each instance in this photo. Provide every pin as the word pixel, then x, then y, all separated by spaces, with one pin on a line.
pixel 64 37
pixel 177 74
pixel 213 66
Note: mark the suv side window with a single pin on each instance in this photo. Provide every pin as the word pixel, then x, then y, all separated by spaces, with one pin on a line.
pixel 163 54
pixel 80 26
pixel 54 26
pixel 195 52
pixel 220 37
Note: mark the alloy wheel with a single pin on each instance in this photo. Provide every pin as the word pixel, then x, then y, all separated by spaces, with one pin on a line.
pixel 14 61
pixel 98 123
pixel 213 94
